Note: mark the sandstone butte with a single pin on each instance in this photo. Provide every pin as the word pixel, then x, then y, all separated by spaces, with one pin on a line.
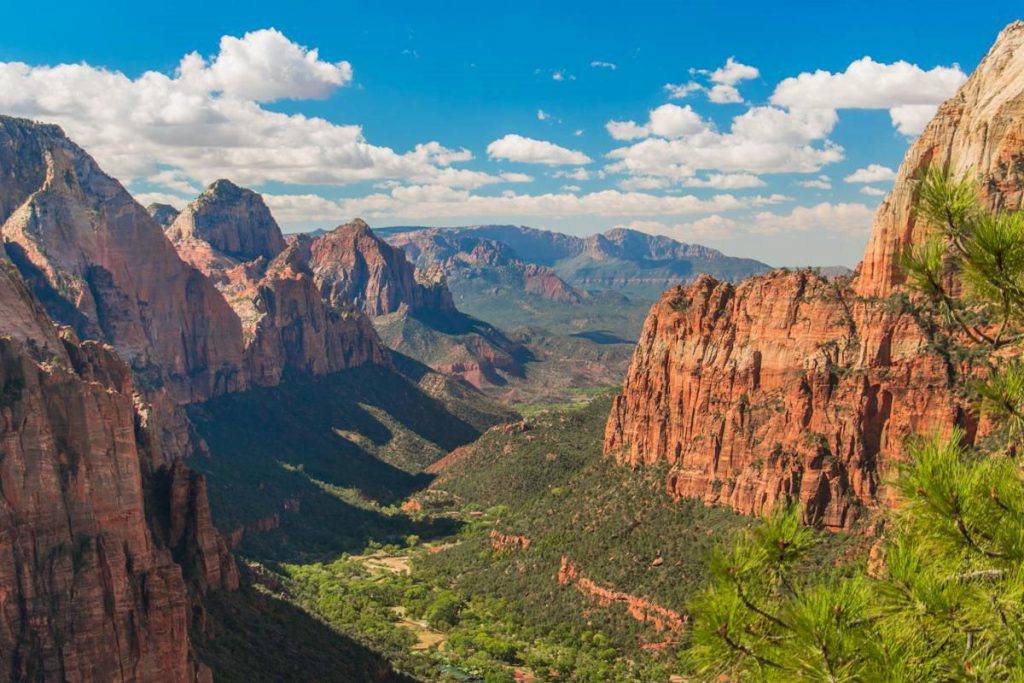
pixel 792 387
pixel 105 549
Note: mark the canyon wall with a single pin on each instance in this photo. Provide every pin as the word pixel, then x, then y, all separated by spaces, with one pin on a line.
pixel 94 573
pixel 99 262
pixel 789 386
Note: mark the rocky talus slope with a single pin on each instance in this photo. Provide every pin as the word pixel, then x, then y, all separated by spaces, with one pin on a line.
pixel 791 386
pixel 100 540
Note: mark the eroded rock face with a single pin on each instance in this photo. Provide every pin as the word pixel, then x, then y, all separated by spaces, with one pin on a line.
pixel 229 235
pixel 234 221
pixel 976 133
pixel 100 263
pixel 88 590
pixel 353 266
pixel 784 387
pixel 301 330
pixel 163 214
pixel 790 386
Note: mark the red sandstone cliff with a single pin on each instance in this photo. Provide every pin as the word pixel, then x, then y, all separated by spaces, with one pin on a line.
pixel 792 386
pixel 100 263
pixel 354 266
pixel 229 234
pixel 94 567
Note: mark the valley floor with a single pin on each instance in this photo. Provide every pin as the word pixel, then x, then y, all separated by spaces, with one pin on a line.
pixel 522 556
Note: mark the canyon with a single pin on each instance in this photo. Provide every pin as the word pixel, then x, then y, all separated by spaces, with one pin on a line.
pixel 181 389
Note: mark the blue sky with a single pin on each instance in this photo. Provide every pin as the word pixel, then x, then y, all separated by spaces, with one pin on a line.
pixel 458 79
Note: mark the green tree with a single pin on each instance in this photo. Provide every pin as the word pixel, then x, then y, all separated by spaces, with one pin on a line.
pixel 443 613
pixel 947 602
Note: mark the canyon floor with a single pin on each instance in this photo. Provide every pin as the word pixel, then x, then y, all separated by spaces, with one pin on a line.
pixel 523 555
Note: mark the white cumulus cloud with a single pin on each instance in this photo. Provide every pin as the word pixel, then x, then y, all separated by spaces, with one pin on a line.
pixel 872 191
pixel 761 140
pixel 822 182
pixel 207 120
pixel 422 202
pixel 733 72
pixel 724 94
pixel 845 218
pixel 910 93
pixel 525 150
pixel 872 173
pixel 678 91
pixel 264 66
pixel 726 181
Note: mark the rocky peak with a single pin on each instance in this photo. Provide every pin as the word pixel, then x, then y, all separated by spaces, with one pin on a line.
pixel 229 234
pixel 163 214
pixel 353 266
pixel 99 262
pixel 233 220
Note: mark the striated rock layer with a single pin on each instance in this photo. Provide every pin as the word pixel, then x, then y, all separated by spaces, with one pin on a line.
pixel 790 386
pixel 94 563
pixel 99 262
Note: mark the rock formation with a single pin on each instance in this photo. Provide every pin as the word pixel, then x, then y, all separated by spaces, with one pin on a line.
pixel 229 235
pixel 354 266
pixel 163 214
pixel 976 133
pixel 641 609
pixel 90 588
pixel 232 220
pixel 100 263
pixel 791 386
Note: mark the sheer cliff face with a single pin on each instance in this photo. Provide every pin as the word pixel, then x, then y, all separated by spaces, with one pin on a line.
pixel 977 133
pixel 229 235
pixel 789 386
pixel 89 584
pixel 100 263
pixel 354 266
pixel 786 386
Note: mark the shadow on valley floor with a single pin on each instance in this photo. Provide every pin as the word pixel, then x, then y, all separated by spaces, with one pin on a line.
pixel 329 456
pixel 602 337
pixel 252 637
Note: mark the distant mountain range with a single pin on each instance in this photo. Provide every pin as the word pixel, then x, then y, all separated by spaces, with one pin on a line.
pixel 629 261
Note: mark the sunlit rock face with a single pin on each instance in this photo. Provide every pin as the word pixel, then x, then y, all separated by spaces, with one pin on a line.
pixel 789 386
